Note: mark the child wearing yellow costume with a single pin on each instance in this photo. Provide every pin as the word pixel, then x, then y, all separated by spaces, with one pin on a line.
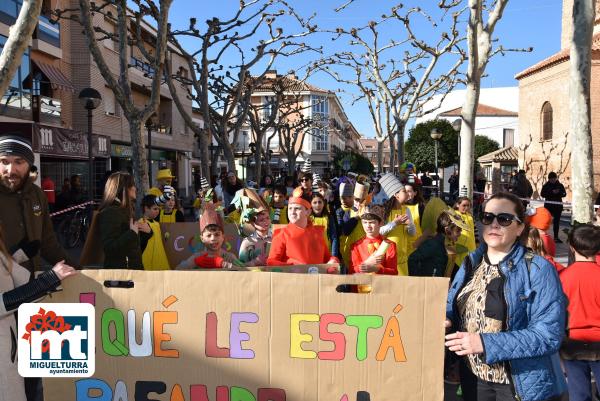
pixel 416 205
pixel 467 237
pixel 400 225
pixel 154 256
pixel 347 219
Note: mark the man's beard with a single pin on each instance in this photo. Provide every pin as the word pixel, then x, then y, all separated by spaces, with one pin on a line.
pixel 16 184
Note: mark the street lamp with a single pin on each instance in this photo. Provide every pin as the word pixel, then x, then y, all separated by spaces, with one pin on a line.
pixel 436 136
pixel 150 124
pixel 90 99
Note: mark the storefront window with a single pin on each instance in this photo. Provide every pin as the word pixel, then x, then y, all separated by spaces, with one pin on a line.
pixel 16 95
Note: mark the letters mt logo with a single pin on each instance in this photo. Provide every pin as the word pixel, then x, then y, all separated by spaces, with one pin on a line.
pixel 56 340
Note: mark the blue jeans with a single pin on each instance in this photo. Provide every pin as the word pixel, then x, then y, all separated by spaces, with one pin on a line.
pixel 579 378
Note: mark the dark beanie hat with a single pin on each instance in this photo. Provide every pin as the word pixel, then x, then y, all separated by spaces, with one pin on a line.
pixel 14 145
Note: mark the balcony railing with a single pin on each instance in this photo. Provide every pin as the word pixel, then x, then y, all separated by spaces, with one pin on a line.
pixel 50 106
pixel 144 67
pixel 48 31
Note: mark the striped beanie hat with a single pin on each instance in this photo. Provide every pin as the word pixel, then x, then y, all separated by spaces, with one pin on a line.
pixel 14 145
pixel 204 183
pixel 316 180
pixel 306 167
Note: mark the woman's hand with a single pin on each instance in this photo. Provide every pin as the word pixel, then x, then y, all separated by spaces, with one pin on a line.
pixel 144 227
pixel 133 226
pixel 464 343
pixel 63 270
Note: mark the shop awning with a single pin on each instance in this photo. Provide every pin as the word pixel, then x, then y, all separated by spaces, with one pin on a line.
pixel 55 76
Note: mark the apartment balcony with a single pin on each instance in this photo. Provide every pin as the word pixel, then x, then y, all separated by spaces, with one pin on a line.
pixel 144 67
pixel 46 37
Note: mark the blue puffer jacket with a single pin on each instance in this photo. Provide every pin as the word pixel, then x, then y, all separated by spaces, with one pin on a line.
pixel 535 314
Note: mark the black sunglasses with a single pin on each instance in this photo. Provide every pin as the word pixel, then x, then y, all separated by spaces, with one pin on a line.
pixel 306 179
pixel 504 219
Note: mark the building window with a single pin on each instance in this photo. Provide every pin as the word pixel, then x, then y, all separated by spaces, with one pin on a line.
pixel 16 95
pixel 9 11
pixel 320 140
pixel 320 117
pixel 508 137
pixel 268 105
pixel 546 121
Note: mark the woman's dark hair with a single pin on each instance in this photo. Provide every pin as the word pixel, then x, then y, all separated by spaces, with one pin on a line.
pixel 514 199
pixel 585 239
pixel 305 175
pixel 324 212
pixel 116 189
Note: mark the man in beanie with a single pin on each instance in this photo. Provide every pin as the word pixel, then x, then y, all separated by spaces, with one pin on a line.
pixel 25 220
pixel 300 242
pixel 24 216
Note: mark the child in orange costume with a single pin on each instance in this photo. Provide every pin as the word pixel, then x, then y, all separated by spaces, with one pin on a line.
pixel 300 242
pixel 373 254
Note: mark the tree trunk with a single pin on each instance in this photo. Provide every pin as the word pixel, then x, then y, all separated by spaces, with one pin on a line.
pixel 257 164
pixel 467 136
pixel 17 41
pixel 291 162
pixel 400 140
pixel 204 157
pixel 392 153
pixel 138 158
pixel 380 156
pixel 229 157
pixel 580 67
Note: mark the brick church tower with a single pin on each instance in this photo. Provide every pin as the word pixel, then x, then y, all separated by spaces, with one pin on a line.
pixel 544 111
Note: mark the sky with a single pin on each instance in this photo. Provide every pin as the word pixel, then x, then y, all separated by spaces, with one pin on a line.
pixel 530 23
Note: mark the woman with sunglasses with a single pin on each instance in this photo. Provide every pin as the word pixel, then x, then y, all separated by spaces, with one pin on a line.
pixel 506 309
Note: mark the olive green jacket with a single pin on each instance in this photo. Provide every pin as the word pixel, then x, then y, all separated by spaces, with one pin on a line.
pixel 121 245
pixel 24 215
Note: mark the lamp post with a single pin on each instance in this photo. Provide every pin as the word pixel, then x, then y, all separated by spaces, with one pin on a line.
pixel 150 124
pixel 436 136
pixel 90 99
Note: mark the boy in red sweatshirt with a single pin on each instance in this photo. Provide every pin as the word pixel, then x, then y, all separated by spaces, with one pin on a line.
pixel 373 254
pixel 581 283
pixel 300 242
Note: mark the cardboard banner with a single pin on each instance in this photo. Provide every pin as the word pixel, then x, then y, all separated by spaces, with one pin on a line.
pixel 182 240
pixel 238 336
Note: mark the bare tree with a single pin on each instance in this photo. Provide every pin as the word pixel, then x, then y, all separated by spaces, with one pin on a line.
pixel 128 33
pixel 537 163
pixel 285 105
pixel 395 87
pixel 480 47
pixel 292 133
pixel 223 91
pixel 18 40
pixel 582 178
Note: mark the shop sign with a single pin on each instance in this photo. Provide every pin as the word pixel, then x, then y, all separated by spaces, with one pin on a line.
pixel 125 151
pixel 55 141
